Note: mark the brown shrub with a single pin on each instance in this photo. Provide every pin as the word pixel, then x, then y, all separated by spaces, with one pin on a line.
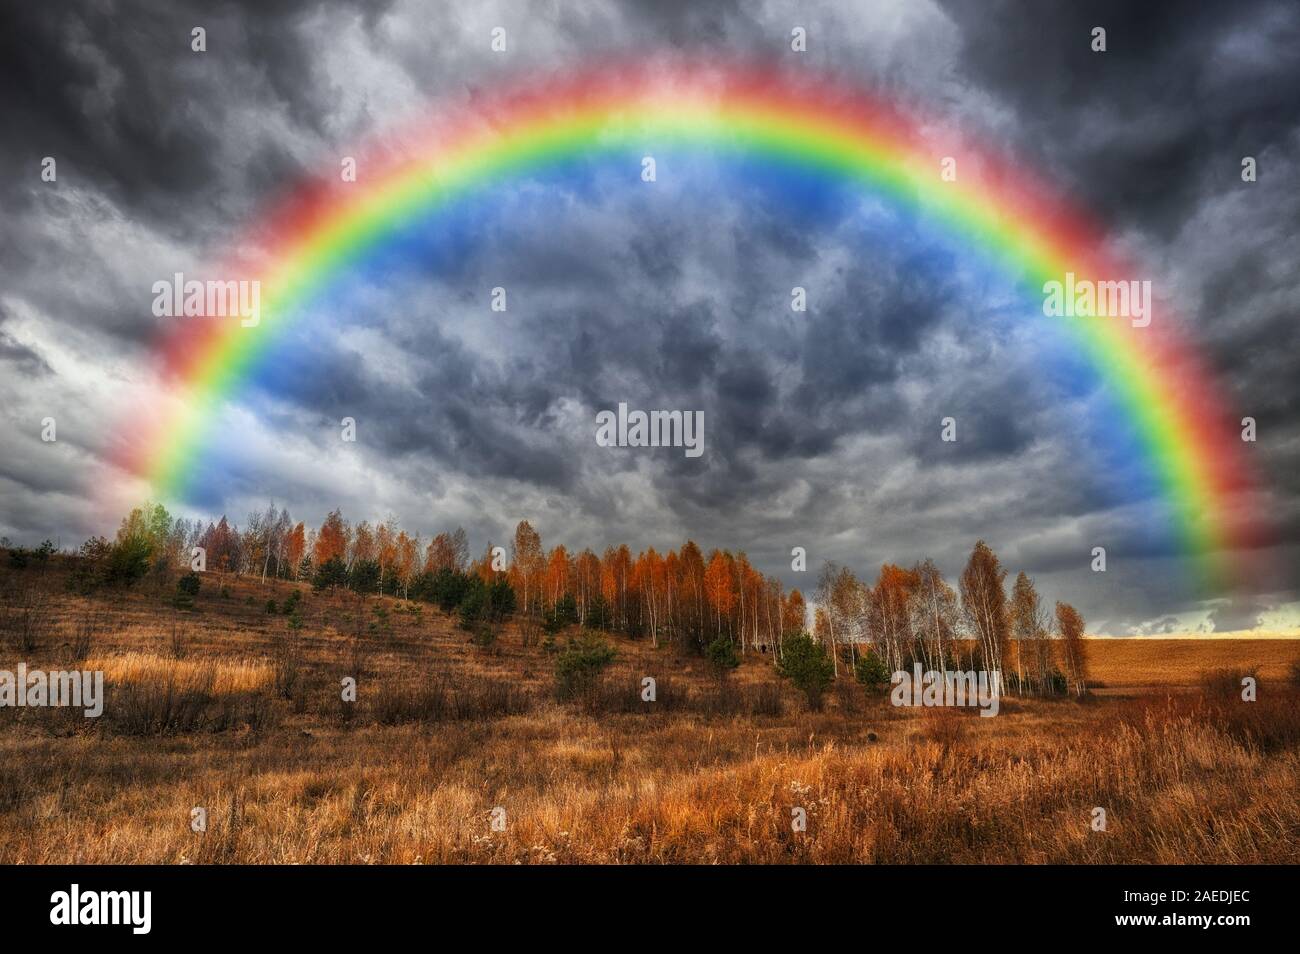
pixel 945 725
pixel 27 618
pixel 440 699
pixel 1221 683
pixel 143 709
pixel 286 661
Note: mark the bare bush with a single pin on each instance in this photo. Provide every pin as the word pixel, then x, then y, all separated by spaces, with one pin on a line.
pixel 848 696
pixel 286 660
pixel 622 691
pixel 83 637
pixel 945 725
pixel 765 699
pixel 177 642
pixel 170 708
pixel 27 618
pixel 442 699
pixel 762 698
pixel 154 709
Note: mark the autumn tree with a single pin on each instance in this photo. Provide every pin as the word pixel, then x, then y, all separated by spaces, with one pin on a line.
pixel 616 573
pixel 821 628
pixel 363 548
pixel 750 590
pixel 586 573
pixel 283 527
pixel 483 569
pixel 842 599
pixel 332 539
pixel 252 547
pixel 984 603
pixel 557 575
pixel 1029 626
pixel 773 612
pixel 889 615
pixel 718 587
pixel 264 540
pixel 935 615
pixel 386 550
pixel 528 563
pixel 406 551
pixel 222 544
pixel 691 604
pixel 824 622
pixel 440 554
pixel 1074 660
pixel 642 585
pixel 308 551
pixel 295 545
pixel 459 550
pixel 794 614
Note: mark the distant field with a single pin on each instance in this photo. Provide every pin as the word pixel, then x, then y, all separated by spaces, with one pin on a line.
pixel 1116 663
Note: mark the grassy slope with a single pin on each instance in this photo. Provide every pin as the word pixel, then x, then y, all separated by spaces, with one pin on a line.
pixel 1187 778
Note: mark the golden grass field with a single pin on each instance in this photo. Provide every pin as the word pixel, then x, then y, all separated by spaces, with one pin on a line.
pixel 215 709
pixel 1124 663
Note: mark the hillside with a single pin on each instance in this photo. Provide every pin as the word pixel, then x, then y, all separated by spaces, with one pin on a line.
pixel 225 707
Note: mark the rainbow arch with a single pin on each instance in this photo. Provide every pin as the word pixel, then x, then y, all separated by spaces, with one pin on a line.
pixel 1184 430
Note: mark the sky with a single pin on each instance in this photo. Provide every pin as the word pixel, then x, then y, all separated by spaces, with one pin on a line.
pixel 821 427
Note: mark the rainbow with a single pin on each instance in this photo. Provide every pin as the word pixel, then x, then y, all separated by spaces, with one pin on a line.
pixel 826 127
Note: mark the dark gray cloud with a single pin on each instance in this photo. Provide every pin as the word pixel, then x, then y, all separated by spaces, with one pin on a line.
pixel 1142 131
pixel 822 429
pixel 19 358
pixel 1238 614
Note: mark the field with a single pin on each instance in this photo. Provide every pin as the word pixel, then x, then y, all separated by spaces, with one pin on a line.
pixel 456 752
pixel 1128 663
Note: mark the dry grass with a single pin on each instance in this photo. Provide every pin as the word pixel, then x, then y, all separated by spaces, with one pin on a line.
pixel 215 676
pixel 444 732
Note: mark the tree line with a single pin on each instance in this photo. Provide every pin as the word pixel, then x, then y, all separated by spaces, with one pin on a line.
pixel 685 597
pixel 912 615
